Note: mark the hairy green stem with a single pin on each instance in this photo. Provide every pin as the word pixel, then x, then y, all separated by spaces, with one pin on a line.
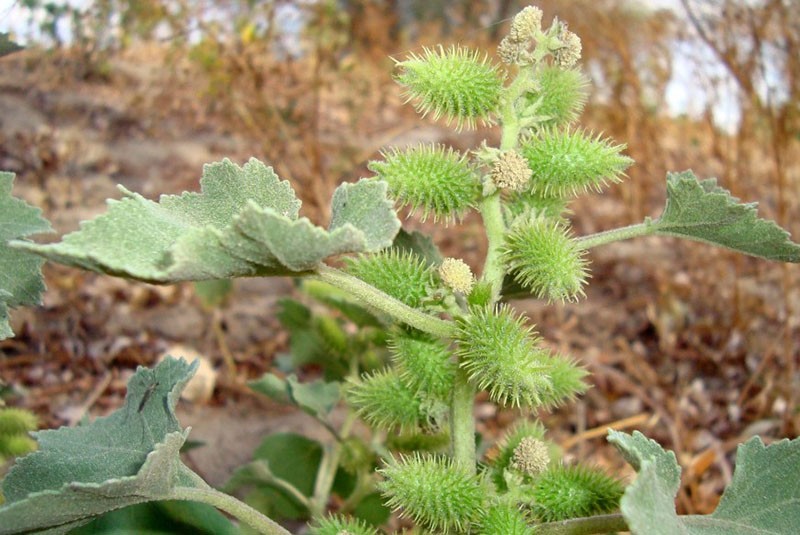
pixel 385 303
pixel 328 467
pixel 232 506
pixel 584 526
pixel 617 234
pixel 462 433
pixel 493 269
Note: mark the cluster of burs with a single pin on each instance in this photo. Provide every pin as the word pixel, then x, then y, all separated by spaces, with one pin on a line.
pixel 521 189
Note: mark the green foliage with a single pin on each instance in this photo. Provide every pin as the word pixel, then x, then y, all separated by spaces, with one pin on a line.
pixel 565 492
pixel 161 518
pixel 21 282
pixel 567 163
pixel 431 179
pixel 337 525
pixel 317 398
pixel 542 256
pixel 412 336
pixel 403 276
pixel 504 357
pixel 762 498
pixel 123 459
pixel 243 223
pixel 703 211
pixel 456 84
pixel 434 491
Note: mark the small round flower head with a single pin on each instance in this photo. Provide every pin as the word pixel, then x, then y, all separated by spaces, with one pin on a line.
pixel 510 171
pixel 515 48
pixel 457 275
pixel 531 456
pixel 526 24
pixel 569 54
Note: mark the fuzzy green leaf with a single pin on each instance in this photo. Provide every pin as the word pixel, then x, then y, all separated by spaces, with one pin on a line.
pixel 21 281
pixel 243 223
pixel 131 456
pixel 763 497
pixel 316 397
pixel 703 211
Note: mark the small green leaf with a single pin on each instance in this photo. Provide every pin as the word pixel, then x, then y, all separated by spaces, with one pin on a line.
pixel 129 457
pixel 420 244
pixel 317 398
pixel 763 497
pixel 21 281
pixel 243 223
pixel 703 211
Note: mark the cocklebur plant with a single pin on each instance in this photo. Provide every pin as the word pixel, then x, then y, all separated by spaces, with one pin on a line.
pixel 449 336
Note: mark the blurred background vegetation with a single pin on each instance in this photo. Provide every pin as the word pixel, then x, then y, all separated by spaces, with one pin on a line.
pixel 706 340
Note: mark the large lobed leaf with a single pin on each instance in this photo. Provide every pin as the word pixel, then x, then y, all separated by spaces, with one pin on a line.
pixel 701 210
pixel 244 222
pixel 763 498
pixel 21 280
pixel 129 457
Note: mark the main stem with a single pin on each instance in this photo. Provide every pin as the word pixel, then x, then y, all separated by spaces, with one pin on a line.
pixel 462 418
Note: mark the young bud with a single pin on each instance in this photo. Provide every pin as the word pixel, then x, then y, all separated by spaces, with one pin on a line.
pixel 567 163
pixel 434 491
pixel 403 275
pixel 431 179
pixel 505 454
pixel 510 171
pixel 569 54
pixel 457 275
pixel 543 257
pixel 531 456
pixel 565 492
pixel 516 47
pixel 456 84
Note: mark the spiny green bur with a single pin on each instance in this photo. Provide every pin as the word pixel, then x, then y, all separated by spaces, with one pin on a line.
pixel 414 336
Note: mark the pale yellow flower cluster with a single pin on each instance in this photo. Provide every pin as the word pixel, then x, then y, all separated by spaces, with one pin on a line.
pixel 511 171
pixel 531 457
pixel 457 275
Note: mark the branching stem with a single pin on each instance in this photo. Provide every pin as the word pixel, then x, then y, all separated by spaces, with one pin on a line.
pixel 232 506
pixel 377 299
pixel 617 234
